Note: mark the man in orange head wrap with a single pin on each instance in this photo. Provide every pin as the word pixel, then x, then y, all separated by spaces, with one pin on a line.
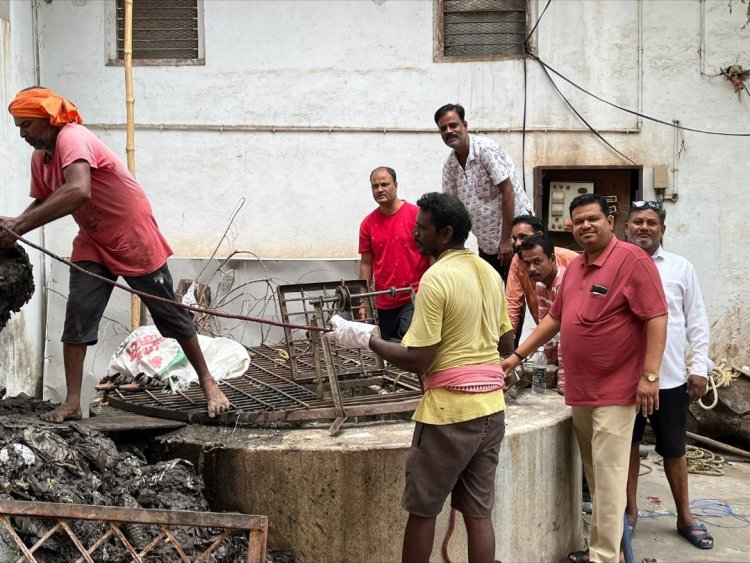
pixel 74 173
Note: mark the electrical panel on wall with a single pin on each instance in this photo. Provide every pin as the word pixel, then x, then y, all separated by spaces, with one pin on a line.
pixel 560 196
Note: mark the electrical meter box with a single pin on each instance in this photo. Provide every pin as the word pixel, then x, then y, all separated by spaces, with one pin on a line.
pixel 560 196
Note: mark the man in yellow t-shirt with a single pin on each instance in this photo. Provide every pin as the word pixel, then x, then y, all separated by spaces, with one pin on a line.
pixel 460 322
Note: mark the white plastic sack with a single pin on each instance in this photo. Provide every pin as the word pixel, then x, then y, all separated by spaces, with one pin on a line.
pixel 147 352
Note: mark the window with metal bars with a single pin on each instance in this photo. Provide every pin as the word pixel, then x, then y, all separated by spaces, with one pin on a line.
pixel 479 29
pixel 164 31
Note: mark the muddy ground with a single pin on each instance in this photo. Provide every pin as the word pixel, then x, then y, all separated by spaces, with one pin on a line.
pixel 75 464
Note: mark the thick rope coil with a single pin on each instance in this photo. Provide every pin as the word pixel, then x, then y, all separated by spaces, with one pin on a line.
pixel 722 375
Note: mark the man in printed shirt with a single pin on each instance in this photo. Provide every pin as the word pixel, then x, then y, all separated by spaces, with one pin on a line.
pixel 538 256
pixel 481 174
pixel 520 288
pixel 460 322
pixel 611 313
pixel 389 254
pixel 74 173
pixel 688 324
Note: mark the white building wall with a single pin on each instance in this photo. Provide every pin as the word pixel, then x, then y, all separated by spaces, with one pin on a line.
pixel 279 75
pixel 21 341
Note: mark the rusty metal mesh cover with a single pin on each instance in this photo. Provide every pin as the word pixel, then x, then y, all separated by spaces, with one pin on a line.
pixel 295 380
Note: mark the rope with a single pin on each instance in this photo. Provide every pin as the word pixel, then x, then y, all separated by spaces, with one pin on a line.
pixel 722 375
pixel 702 462
pixel 447 538
pixel 144 295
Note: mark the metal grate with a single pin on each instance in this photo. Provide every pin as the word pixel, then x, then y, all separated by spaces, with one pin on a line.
pixel 162 29
pixel 267 392
pixel 483 27
pixel 129 527
pixel 306 378
pixel 313 304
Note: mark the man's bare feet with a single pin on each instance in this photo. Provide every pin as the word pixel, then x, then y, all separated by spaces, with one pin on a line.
pixel 217 400
pixel 62 413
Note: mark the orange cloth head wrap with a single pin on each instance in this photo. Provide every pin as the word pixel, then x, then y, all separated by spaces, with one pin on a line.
pixel 43 103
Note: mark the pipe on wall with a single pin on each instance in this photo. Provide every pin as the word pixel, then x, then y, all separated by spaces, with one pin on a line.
pixel 336 129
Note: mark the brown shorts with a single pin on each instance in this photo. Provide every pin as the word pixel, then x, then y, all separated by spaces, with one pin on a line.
pixel 458 459
pixel 88 299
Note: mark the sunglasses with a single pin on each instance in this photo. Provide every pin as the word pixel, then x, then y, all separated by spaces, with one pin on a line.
pixel 655 205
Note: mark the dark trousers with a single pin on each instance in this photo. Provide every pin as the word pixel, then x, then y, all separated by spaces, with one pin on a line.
pixel 394 323
pixel 494 261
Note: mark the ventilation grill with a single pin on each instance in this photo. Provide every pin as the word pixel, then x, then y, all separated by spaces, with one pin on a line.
pixel 162 29
pixel 483 27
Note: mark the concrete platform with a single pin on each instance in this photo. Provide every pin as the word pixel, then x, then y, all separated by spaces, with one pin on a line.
pixel 722 503
pixel 337 498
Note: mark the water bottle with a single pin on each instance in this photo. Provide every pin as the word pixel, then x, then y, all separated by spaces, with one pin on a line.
pixel 538 371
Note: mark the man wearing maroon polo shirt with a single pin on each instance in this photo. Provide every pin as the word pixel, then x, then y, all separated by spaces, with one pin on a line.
pixel 612 313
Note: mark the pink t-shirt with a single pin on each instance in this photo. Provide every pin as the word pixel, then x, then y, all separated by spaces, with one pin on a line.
pixel 603 308
pixel 395 258
pixel 117 228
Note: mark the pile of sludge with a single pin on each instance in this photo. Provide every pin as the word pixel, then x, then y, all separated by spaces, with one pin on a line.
pixel 16 281
pixel 74 464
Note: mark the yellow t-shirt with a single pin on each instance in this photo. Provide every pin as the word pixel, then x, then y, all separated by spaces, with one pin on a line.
pixel 460 305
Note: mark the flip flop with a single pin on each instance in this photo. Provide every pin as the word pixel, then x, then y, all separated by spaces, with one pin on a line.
pixel 631 525
pixel 697 539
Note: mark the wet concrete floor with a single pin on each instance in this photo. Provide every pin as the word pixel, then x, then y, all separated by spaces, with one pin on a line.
pixel 721 503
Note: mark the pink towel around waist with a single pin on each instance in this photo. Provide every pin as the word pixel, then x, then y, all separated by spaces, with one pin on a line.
pixel 481 378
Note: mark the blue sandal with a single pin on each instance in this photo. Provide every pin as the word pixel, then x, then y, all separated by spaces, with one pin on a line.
pixel 631 525
pixel 697 539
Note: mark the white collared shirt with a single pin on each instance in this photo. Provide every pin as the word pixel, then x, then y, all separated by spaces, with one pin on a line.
pixel 688 321
pixel 487 166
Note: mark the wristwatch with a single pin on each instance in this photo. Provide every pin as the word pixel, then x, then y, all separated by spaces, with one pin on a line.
pixel 651 377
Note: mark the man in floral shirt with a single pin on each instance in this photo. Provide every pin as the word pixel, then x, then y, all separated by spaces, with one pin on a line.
pixel 481 174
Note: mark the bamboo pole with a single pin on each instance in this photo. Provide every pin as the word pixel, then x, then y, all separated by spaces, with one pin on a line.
pixel 135 302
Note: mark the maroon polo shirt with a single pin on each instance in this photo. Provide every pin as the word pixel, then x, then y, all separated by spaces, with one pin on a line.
pixel 603 308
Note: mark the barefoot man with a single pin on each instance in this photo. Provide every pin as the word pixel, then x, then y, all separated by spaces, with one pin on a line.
pixel 74 173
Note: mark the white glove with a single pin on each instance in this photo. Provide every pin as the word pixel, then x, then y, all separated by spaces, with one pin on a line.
pixel 350 334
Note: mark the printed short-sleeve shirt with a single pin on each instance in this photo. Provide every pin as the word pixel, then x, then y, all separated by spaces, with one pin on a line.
pixel 476 186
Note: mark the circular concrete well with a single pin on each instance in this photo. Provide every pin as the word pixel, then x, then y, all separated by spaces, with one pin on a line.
pixel 337 499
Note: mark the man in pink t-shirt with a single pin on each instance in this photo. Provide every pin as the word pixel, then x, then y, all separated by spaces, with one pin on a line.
pixel 74 173
pixel 612 314
pixel 389 254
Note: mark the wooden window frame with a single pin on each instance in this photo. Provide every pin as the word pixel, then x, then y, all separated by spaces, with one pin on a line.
pixel 110 19
pixel 439 38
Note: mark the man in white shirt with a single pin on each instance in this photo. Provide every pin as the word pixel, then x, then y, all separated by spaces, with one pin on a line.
pixel 481 175
pixel 678 384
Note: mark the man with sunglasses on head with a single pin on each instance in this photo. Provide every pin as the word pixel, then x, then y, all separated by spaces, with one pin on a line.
pixel 678 385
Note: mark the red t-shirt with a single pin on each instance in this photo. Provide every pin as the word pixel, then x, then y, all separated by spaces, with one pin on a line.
pixel 395 258
pixel 117 228
pixel 603 308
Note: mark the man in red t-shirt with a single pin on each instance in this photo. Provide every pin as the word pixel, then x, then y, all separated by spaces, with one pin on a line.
pixel 611 312
pixel 389 254
pixel 74 173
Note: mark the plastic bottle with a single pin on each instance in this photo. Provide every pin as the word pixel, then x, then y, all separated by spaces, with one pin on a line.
pixel 539 369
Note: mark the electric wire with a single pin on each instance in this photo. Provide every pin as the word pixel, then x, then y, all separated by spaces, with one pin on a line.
pixel 578 114
pixel 533 29
pixel 546 67
pixel 525 48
